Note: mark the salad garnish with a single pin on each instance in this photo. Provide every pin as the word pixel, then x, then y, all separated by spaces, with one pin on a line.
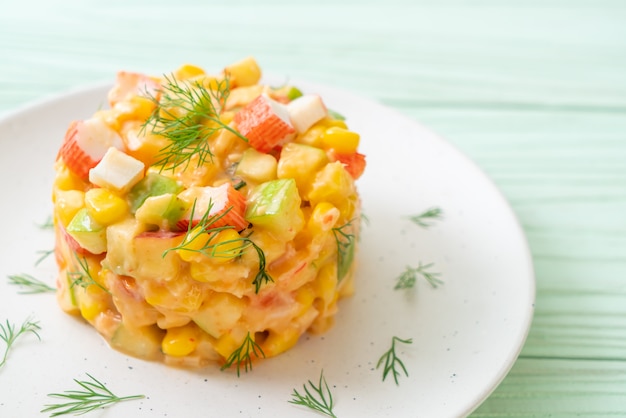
pixel 423 218
pixel 318 398
pixel 408 278
pixel 243 354
pixel 43 254
pixel 392 361
pixel 31 284
pixel 187 114
pixel 213 248
pixel 9 334
pixel 92 395
pixel 345 248
pixel 82 277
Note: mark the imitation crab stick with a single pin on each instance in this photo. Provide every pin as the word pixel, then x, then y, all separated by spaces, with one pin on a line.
pixel 264 122
pixel 86 142
pixel 225 206
pixel 130 84
pixel 354 163
pixel 306 111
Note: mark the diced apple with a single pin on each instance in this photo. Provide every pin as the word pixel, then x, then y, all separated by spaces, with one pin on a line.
pixel 334 184
pixel 243 73
pixel 150 254
pixel 164 210
pixel 121 257
pixel 301 162
pixel 117 171
pixel 256 166
pixel 305 111
pixel 219 313
pixel 275 206
pixel 142 342
pixel 89 234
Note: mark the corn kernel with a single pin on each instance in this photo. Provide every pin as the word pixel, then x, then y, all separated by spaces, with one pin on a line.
pixel 229 342
pixel 278 342
pixel 67 204
pixel 104 206
pixel 244 73
pixel 142 107
pixel 188 71
pixel 195 242
pixel 328 122
pixel 341 140
pixel 326 284
pixel 305 297
pixel 323 218
pixel 180 341
pixel 227 246
pixel 313 136
pixel 91 303
pixel 66 180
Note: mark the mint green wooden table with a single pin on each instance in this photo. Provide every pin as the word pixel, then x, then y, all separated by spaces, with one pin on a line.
pixel 533 91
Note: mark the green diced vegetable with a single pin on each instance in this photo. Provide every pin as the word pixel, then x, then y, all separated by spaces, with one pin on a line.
pixel 153 184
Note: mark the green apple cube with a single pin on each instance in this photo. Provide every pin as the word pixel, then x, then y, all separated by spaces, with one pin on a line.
pixel 153 184
pixel 163 210
pixel 89 234
pixel 275 206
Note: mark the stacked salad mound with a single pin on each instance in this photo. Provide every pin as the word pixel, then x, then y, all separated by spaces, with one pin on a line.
pixel 206 217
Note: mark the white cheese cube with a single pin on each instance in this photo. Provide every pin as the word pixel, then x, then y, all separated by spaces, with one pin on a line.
pixel 305 111
pixel 117 171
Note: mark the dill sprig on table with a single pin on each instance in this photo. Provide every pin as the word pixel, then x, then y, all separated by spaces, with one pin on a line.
pixel 408 278
pixel 392 362
pixel 31 284
pixel 43 254
pixel 318 398
pixel 187 114
pixel 9 334
pixel 425 218
pixel 92 395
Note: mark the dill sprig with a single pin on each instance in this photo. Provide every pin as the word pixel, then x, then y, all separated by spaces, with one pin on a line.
pixel 82 277
pixel 43 254
pixel 408 278
pixel 345 248
pixel 9 334
pixel 424 219
pixel 48 223
pixel 187 114
pixel 262 276
pixel 92 395
pixel 243 354
pixel 391 360
pixel 318 398
pixel 203 230
pixel 30 283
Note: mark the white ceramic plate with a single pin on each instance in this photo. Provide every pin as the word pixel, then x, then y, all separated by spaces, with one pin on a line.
pixel 466 333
